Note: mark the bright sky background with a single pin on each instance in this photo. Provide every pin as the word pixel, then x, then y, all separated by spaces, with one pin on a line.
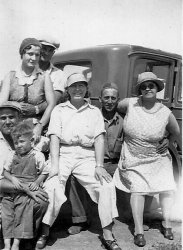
pixel 82 23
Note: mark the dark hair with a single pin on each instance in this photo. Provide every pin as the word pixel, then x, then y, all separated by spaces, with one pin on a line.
pixel 24 128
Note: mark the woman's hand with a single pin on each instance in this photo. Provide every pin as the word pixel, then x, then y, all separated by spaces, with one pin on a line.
pixel 38 195
pixel 37 132
pixel 28 109
pixel 16 182
pixel 33 186
pixel 163 146
pixel 101 173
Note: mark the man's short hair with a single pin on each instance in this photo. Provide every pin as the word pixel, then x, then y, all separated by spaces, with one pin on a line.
pixel 110 85
pixel 24 128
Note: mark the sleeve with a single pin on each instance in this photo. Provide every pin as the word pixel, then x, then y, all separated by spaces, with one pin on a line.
pixel 8 162
pixel 55 124
pixel 58 79
pixel 40 163
pixel 99 126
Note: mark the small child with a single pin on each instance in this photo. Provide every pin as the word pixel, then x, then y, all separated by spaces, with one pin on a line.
pixel 27 167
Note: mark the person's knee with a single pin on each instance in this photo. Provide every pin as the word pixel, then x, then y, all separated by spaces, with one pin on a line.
pixel 41 206
pixel 107 188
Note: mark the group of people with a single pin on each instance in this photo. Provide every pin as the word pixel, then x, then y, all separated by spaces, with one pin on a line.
pixel 117 146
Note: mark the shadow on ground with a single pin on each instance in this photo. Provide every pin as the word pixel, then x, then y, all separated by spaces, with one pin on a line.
pixel 123 229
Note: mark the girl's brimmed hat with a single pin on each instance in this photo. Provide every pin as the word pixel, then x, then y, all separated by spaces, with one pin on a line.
pixel 149 76
pixel 75 77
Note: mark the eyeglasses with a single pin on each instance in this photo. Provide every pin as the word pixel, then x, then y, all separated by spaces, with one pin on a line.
pixel 148 85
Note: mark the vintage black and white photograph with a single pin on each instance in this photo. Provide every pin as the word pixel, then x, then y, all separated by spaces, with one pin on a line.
pixel 91 124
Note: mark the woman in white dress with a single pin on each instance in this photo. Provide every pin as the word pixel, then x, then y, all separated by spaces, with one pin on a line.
pixel 142 169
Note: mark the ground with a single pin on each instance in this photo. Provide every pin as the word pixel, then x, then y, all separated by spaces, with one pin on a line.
pixel 123 230
pixel 88 240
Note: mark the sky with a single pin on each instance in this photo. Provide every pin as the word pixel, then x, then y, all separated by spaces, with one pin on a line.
pixel 83 23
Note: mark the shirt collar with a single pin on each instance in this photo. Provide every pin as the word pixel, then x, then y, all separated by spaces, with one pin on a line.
pixel 27 79
pixel 4 140
pixel 87 104
pixel 51 68
pixel 115 117
pixel 1 136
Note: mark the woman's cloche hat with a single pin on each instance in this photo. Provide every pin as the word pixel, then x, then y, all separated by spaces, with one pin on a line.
pixel 149 76
pixel 28 41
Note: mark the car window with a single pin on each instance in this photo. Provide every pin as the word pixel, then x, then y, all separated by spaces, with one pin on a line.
pixel 180 86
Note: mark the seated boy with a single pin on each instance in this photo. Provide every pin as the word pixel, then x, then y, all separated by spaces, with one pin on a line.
pixel 27 166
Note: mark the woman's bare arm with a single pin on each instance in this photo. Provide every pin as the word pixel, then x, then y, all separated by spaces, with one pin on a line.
pixel 100 172
pixel 123 106
pixel 50 99
pixel 174 130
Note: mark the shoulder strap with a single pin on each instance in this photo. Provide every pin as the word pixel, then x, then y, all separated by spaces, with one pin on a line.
pixel 12 76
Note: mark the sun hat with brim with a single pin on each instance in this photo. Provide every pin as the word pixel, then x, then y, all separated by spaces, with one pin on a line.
pixel 12 105
pixel 75 77
pixel 149 76
pixel 27 42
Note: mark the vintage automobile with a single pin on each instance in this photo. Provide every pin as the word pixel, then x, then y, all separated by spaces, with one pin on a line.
pixel 121 63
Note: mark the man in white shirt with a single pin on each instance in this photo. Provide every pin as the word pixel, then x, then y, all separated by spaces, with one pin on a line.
pixel 58 78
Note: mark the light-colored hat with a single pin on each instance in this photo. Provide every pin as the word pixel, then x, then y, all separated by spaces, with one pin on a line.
pixel 12 105
pixel 149 76
pixel 50 41
pixel 75 77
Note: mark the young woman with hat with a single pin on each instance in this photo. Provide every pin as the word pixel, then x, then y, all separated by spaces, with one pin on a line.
pixel 29 86
pixel 76 130
pixel 142 168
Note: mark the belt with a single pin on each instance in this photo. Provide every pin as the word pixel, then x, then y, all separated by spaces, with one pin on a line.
pixel 113 161
pixel 78 144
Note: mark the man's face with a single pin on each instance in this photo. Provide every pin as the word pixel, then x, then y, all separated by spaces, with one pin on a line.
pixel 46 53
pixel 8 119
pixel 109 99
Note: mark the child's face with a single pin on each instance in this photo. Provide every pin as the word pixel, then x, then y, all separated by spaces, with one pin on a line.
pixel 23 144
